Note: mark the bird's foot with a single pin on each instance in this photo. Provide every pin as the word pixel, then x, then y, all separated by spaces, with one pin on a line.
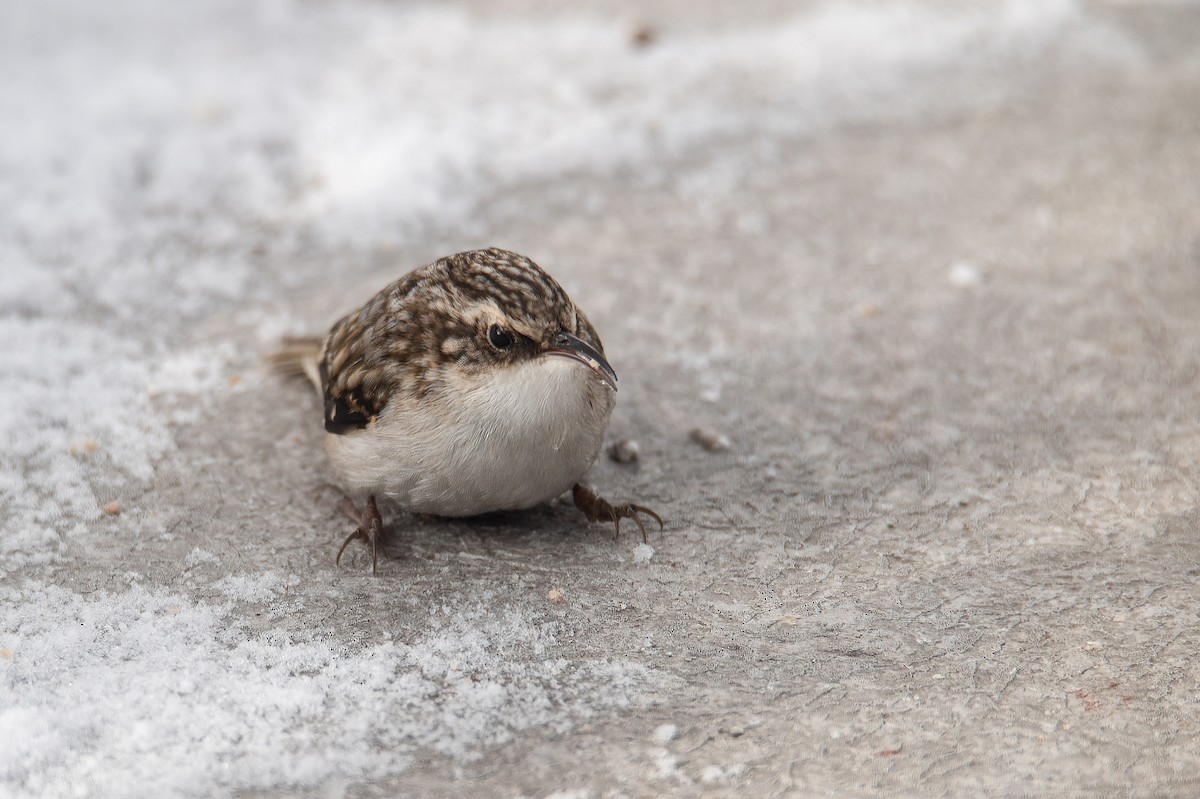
pixel 598 509
pixel 370 528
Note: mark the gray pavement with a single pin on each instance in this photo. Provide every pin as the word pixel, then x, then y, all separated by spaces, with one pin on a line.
pixel 951 329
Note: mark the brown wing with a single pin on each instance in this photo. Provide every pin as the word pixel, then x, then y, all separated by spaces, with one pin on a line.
pixel 349 404
pixel 365 359
pixel 392 342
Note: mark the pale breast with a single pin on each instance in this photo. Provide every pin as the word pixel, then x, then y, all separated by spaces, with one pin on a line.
pixel 516 439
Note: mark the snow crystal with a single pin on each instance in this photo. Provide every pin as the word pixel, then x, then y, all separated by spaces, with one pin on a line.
pixel 665 733
pixel 965 275
pixel 642 553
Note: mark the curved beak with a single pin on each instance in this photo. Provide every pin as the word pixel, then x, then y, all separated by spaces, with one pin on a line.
pixel 571 346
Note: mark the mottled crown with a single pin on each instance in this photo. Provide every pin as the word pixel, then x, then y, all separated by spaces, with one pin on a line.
pixel 435 318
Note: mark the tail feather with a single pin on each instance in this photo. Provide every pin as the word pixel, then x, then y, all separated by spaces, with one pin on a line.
pixel 299 356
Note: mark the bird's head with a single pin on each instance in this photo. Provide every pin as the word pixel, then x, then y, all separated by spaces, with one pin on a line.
pixel 492 309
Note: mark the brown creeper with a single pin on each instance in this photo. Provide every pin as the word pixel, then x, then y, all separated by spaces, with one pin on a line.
pixel 473 384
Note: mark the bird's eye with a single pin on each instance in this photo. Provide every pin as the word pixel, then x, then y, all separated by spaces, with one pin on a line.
pixel 499 338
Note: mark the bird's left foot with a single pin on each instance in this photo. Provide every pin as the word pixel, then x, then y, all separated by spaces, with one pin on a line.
pixel 598 509
pixel 370 528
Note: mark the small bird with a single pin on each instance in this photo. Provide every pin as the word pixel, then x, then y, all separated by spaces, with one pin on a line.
pixel 470 385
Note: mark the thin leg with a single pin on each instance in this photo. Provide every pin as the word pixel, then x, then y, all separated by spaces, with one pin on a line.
pixel 370 527
pixel 598 509
pixel 352 512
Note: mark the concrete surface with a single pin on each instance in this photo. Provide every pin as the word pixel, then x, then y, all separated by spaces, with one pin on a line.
pixel 953 334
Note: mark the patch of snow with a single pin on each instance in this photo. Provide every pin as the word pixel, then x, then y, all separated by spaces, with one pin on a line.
pixel 665 733
pixel 714 774
pixel 194 371
pixel 198 556
pixel 496 114
pixel 259 587
pixel 147 692
pixel 965 275
pixel 666 765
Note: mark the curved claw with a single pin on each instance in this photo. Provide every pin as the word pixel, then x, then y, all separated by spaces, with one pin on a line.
pixel 631 511
pixel 598 509
pixel 369 529
pixel 359 533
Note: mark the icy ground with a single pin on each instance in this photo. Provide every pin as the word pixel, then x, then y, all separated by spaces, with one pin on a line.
pixel 933 269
